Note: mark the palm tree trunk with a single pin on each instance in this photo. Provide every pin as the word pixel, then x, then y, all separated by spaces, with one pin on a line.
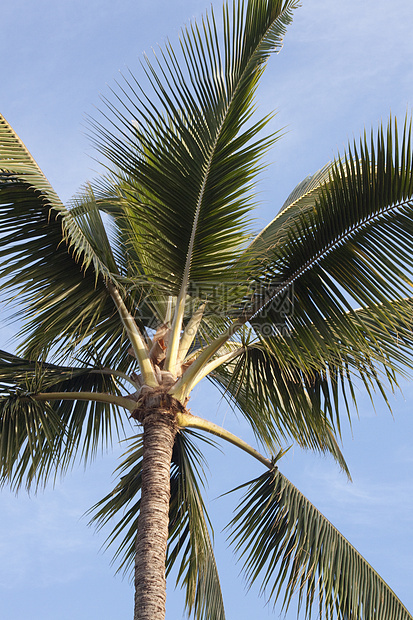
pixel 152 535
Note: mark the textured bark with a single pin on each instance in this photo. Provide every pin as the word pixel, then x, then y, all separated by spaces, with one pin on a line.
pixel 150 584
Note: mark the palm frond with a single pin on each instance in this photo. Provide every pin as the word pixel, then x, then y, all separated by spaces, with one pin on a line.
pixel 86 235
pixel 44 255
pixel 190 153
pixel 114 195
pixel 353 247
pixel 295 386
pixel 281 400
pixel 20 169
pixel 292 548
pixel 123 500
pixel 27 437
pixel 43 438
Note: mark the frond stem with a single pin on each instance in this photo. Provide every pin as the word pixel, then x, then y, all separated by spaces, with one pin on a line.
pixel 182 388
pixel 136 339
pixel 116 373
pixel 190 332
pixel 210 367
pixel 97 397
pixel 187 420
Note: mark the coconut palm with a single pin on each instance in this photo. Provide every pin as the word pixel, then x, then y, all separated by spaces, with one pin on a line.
pixel 151 279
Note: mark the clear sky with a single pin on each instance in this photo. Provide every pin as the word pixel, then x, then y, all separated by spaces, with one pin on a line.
pixel 344 67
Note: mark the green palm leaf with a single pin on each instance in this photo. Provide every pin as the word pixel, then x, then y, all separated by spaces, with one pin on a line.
pixel 294 387
pixel 44 256
pixel 20 169
pixel 281 401
pixel 189 150
pixel 284 539
pixel 27 438
pixel 115 195
pixel 55 262
pixel 343 251
pixel 124 500
pixel 42 438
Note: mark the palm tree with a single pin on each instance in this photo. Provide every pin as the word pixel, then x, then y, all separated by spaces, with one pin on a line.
pixel 151 279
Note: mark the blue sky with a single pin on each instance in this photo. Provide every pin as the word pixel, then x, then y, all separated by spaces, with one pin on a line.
pixel 344 67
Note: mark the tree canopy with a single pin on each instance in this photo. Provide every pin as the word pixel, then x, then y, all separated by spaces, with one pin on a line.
pixel 152 279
